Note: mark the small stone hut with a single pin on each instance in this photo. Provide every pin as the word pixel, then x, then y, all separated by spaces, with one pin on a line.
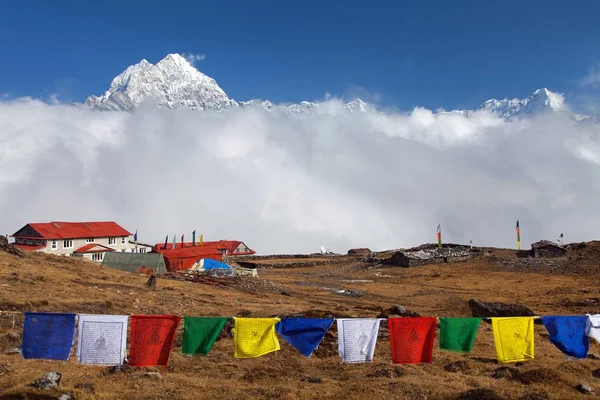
pixel 359 252
pixel 547 249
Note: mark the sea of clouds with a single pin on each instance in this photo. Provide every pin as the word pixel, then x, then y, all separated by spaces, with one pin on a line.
pixel 291 183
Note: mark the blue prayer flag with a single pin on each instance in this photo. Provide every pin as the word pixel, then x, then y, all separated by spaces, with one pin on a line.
pixel 568 334
pixel 135 236
pixel 304 334
pixel 48 335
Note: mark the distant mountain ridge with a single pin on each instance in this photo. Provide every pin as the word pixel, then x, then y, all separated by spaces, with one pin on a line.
pixel 174 83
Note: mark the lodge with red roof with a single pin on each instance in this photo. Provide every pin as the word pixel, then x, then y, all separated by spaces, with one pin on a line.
pixel 90 240
pixel 185 255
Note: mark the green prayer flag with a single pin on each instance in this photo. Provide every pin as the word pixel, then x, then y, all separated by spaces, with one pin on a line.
pixel 200 333
pixel 458 334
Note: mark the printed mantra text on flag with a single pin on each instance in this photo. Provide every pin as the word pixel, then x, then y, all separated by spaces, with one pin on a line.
pixel 48 335
pixel 151 339
pixel 412 339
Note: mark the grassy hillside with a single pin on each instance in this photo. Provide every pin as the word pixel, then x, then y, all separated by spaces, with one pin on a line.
pixel 46 283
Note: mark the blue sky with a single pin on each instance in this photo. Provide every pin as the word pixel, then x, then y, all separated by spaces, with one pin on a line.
pixel 450 54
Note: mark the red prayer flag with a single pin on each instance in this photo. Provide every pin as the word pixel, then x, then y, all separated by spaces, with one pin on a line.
pixel 151 339
pixel 412 339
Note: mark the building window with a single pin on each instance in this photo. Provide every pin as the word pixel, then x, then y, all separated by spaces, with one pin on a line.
pixel 142 250
pixel 112 241
pixel 29 241
pixel 89 240
pixel 67 244
pixel 54 245
pixel 39 242
pixel 123 240
pixel 97 256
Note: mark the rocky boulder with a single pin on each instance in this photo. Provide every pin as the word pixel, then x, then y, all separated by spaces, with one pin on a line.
pixel 397 311
pixel 486 309
pixel 47 381
pixel 10 248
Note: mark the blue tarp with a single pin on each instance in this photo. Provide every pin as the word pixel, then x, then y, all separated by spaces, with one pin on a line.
pixel 568 334
pixel 209 264
pixel 48 335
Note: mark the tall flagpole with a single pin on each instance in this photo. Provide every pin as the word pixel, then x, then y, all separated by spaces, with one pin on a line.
pixel 518 236
pixel 439 236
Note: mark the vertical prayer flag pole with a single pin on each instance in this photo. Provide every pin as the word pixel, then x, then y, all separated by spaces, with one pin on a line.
pixel 182 241
pixel 439 236
pixel 518 236
pixel 193 238
pixel 166 240
pixel 173 242
pixel 202 238
pixel 135 240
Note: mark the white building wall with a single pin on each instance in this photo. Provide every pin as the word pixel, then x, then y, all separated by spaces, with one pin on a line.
pixel 119 244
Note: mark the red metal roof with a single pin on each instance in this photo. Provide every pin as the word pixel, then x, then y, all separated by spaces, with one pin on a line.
pixel 184 258
pixel 29 247
pixel 229 245
pixel 93 248
pixel 75 230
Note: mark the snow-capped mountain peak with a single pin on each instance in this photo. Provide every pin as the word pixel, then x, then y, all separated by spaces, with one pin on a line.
pixel 171 83
pixel 542 100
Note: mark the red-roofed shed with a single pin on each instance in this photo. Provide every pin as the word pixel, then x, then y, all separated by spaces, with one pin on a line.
pixel 185 255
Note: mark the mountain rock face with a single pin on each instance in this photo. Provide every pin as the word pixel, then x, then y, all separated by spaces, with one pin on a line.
pixel 174 83
pixel 171 83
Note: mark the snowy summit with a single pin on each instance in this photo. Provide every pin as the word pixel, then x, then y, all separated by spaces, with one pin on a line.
pixel 172 83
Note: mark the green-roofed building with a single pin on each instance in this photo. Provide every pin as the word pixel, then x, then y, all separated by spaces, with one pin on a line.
pixel 132 261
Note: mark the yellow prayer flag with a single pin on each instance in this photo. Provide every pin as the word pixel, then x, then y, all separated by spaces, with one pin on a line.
pixel 514 338
pixel 202 238
pixel 254 337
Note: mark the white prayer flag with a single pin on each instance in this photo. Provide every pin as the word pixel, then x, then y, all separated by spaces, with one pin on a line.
pixel 102 339
pixel 592 328
pixel 357 338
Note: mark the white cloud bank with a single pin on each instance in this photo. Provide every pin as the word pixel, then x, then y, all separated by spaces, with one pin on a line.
pixel 290 183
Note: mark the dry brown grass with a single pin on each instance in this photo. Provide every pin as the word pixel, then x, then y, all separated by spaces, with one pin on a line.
pixel 44 283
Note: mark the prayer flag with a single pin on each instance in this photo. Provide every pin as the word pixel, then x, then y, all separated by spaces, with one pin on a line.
pixel 458 334
pixel 568 334
pixel 254 337
pixel 412 339
pixel 173 242
pixel 182 241
pixel 592 326
pixel 151 339
pixel 304 334
pixel 200 334
pixel 48 335
pixel 193 238
pixel 102 339
pixel 357 338
pixel 202 238
pixel 439 235
pixel 166 240
pixel 135 236
pixel 518 236
pixel 514 338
